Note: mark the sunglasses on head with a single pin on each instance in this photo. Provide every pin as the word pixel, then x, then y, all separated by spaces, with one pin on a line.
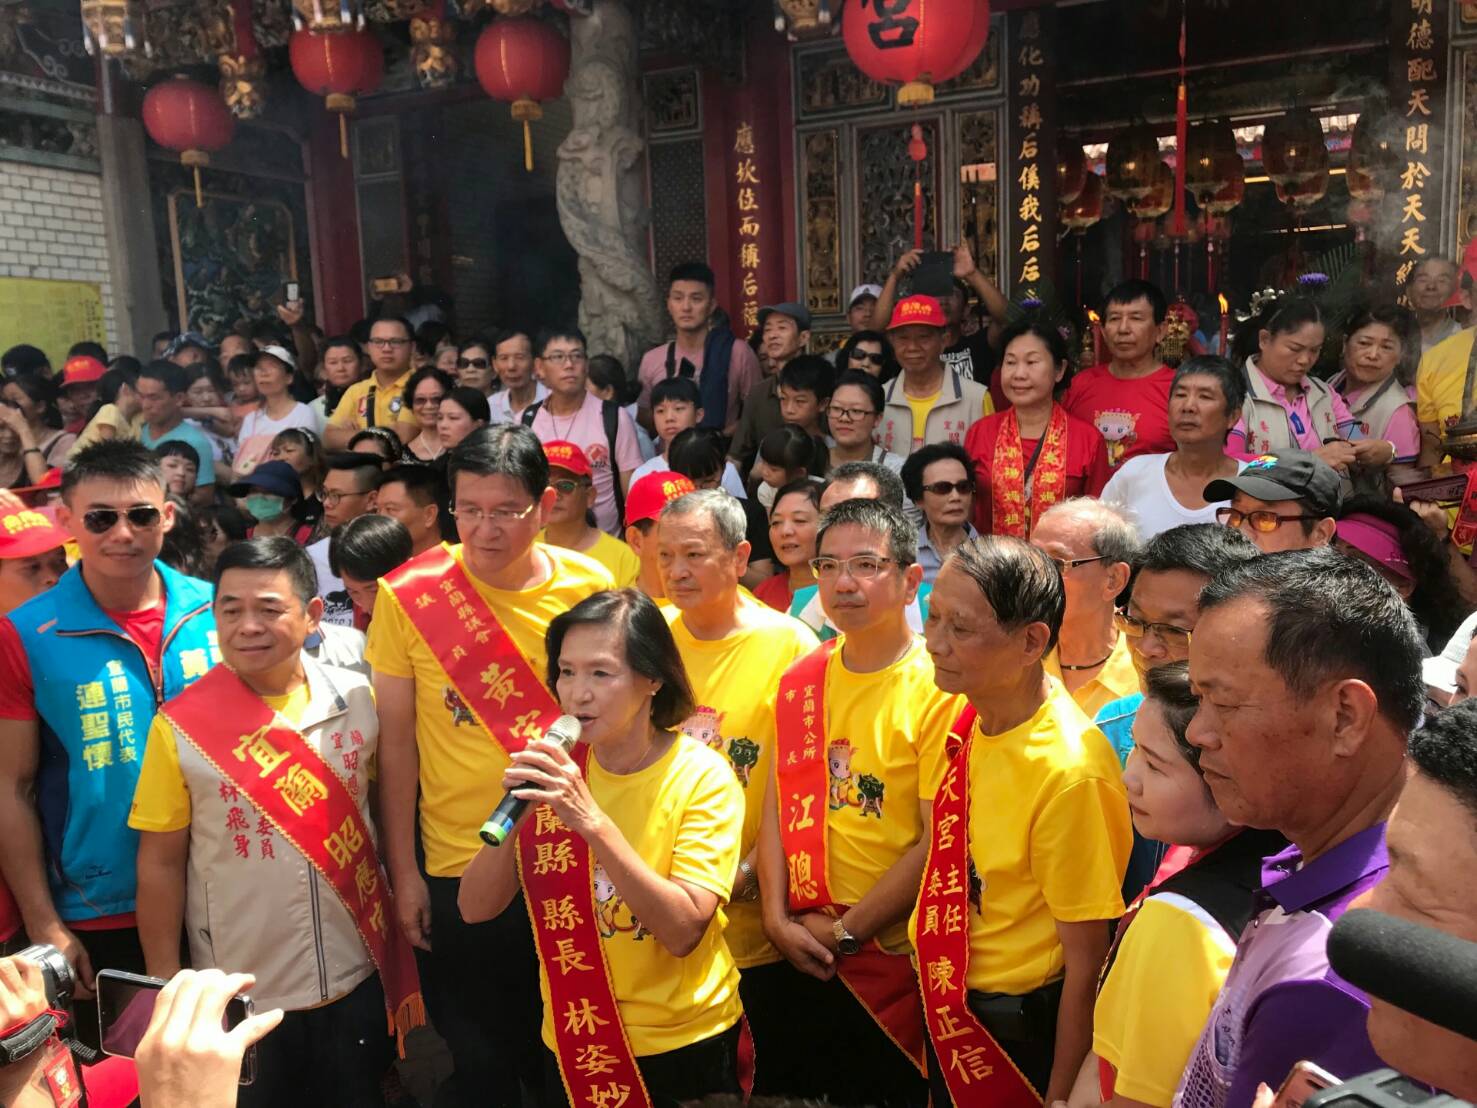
pixel 141 517
pixel 472 363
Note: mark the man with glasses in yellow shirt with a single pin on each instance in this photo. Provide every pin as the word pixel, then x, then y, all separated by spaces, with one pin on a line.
pixel 734 651
pixel 457 645
pixel 378 400
pixel 859 752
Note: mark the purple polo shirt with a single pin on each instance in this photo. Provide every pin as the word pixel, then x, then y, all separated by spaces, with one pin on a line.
pixel 1281 1003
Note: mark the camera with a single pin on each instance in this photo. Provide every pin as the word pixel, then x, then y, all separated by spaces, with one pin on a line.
pixel 56 972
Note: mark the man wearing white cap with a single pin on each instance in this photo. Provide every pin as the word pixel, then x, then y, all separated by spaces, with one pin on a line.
pixel 272 369
pixel 859 307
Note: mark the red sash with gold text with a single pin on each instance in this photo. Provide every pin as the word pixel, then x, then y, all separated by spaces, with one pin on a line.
pixel 977 1071
pixel 884 983
pixel 490 674
pixel 291 785
pixel 1014 508
pixel 486 669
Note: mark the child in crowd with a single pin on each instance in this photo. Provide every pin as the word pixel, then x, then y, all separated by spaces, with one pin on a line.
pixel 788 454
pixel 117 412
pixel 805 388
pixel 181 466
pixel 676 406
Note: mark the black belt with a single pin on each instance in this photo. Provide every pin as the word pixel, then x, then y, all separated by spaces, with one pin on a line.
pixel 1030 1017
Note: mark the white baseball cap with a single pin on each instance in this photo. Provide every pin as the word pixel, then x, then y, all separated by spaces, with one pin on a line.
pixel 281 354
pixel 1440 671
pixel 874 291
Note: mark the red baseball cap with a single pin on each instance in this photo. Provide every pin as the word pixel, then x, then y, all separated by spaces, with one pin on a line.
pixel 26 532
pixel 567 456
pixel 654 492
pixel 51 479
pixel 922 311
pixel 82 370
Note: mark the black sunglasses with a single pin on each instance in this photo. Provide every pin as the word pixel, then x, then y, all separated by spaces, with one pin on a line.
pixel 944 488
pixel 860 356
pixel 141 517
pixel 472 363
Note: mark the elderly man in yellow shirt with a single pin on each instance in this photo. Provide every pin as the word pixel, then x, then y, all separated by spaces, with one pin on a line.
pixel 458 635
pixel 1094 544
pixel 735 652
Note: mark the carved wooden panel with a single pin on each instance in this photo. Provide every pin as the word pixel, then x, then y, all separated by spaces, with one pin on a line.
pixel 1466 227
pixel 979 187
pixel 673 103
pixel 885 176
pixel 827 82
pixel 822 246
pixel 679 220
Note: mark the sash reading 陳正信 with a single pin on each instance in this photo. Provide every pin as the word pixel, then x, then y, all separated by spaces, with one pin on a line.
pixel 291 784
pixel 488 671
pixel 977 1070
pixel 884 983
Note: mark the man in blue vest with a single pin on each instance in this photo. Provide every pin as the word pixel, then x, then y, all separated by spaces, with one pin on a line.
pixel 83 666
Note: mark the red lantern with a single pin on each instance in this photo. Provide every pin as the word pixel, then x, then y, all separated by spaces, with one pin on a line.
pixel 1087 209
pixel 522 60
pixel 1160 197
pixel 1071 171
pixel 189 117
pixel 1233 170
pixel 1293 149
pixel 918 44
pixel 338 66
pixel 1133 158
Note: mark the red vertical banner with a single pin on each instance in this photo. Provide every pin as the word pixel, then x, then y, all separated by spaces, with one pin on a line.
pixel 1031 170
pixel 1418 84
pixel 748 222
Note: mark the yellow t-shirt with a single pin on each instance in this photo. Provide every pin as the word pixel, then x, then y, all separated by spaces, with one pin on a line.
pixel 1114 681
pixel 1164 981
pixel 1442 378
pixel 109 415
pixel 733 683
pixel 683 816
pixel 614 555
pixel 461 766
pixel 1049 837
pixel 921 406
pixel 893 724
pixel 390 407
pixel 161 799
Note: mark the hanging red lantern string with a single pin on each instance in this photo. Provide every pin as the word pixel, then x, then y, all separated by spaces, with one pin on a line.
pixel 522 60
pixel 918 151
pixel 188 117
pixel 339 66
pixel 1181 135
pixel 923 45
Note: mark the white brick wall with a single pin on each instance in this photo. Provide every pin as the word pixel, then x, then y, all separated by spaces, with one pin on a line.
pixel 51 227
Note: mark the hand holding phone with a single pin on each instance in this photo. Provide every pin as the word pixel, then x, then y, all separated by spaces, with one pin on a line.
pixel 1303 1081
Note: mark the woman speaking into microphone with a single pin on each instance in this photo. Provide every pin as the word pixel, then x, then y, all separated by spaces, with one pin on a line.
pixel 625 856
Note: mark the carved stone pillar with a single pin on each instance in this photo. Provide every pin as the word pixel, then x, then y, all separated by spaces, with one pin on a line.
pixel 600 190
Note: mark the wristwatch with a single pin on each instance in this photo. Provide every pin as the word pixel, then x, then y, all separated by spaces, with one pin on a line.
pixel 846 942
pixel 750 890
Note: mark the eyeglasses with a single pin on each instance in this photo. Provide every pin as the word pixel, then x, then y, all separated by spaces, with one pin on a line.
pixel 565 488
pixel 472 363
pixel 1067 565
pixel 1264 519
pixel 944 488
pixel 863 567
pixel 428 401
pixel 849 415
pixel 566 357
pixel 333 499
pixel 873 359
pixel 473 516
pixel 141 517
pixel 1167 633
pixel 388 342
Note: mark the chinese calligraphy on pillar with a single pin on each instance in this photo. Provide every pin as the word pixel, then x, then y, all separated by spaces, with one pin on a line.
pixel 750 227
pixel 1418 96
pixel 1032 170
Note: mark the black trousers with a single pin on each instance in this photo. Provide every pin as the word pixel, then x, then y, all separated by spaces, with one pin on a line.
pixel 335 1054
pixel 480 983
pixel 676 1077
pixel 1024 1027
pixel 814 1040
pixel 117 948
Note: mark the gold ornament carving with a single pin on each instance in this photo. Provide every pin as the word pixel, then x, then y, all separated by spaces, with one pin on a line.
pixel 114 27
pixel 513 7
pixel 243 85
pixel 433 52
pixel 328 15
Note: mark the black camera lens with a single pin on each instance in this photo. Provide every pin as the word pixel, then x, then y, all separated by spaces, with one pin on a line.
pixel 55 971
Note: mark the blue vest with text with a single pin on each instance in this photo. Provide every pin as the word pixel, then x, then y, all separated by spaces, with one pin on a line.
pixel 96 697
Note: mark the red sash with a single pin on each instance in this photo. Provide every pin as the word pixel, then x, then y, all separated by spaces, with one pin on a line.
pixel 291 785
pixel 884 983
pixel 487 670
pixel 975 1068
pixel 1013 512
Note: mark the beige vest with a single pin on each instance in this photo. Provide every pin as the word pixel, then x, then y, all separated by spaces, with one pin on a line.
pixel 1268 429
pixel 253 903
pixel 953 413
pixel 1379 407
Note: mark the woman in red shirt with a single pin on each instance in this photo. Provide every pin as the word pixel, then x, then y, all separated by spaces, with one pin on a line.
pixel 1033 454
pixel 793 522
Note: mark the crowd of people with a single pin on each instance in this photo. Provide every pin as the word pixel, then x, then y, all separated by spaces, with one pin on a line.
pixel 955 725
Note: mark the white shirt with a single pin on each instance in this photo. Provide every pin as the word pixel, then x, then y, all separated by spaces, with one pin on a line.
pixel 1140 487
pixel 337 607
pixel 502 411
pixel 732 483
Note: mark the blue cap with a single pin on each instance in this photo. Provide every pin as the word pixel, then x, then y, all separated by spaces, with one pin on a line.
pixel 277 478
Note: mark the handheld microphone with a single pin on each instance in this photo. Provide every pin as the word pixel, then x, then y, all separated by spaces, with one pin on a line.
pixel 1420 970
pixel 566 732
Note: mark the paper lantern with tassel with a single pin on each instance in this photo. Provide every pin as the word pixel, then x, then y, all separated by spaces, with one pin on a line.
pixel 1230 195
pixel 339 66
pixel 1293 149
pixel 1087 209
pixel 1160 197
pixel 925 46
pixel 1071 171
pixel 1133 158
pixel 188 117
pixel 522 60
pixel 1374 159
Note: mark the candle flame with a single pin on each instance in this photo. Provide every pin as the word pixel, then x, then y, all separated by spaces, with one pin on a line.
pixel 1092 315
pixel 1225 307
